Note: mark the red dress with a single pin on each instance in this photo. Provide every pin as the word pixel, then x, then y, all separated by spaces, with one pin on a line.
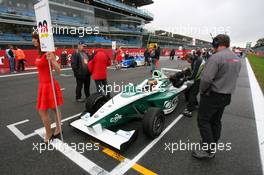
pixel 45 93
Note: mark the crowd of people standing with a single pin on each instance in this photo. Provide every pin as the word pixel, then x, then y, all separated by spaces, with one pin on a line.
pixel 16 58
pixel 85 66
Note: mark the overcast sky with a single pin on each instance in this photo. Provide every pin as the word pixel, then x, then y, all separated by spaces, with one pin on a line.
pixel 243 20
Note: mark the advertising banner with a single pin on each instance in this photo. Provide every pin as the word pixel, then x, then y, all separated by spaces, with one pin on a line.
pixel 44 26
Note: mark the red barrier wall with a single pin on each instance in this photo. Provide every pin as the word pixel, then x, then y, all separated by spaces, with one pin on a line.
pixel 31 55
pixel 180 53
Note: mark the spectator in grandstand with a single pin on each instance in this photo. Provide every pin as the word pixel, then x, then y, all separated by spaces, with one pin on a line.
pixel 218 82
pixel 119 58
pixel 172 54
pixel 197 65
pixel 46 98
pixel 98 68
pixel 11 58
pixel 147 57
pixel 21 58
pixel 79 62
pixel 63 58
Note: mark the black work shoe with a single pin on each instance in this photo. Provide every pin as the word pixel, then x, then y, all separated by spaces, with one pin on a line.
pixel 201 154
pixel 196 107
pixel 187 113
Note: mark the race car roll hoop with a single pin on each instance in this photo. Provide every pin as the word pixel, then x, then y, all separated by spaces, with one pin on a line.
pixel 135 102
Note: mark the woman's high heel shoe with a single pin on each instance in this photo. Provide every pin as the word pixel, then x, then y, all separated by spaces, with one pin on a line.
pixel 48 141
pixel 57 135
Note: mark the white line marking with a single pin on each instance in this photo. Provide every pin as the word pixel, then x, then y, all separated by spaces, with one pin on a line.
pixel 19 134
pixel 75 156
pixel 71 117
pixel 111 68
pixel 62 89
pixel 258 104
pixel 126 69
pixel 123 167
pixel 72 154
pixel 27 73
pixel 65 75
pixel 53 125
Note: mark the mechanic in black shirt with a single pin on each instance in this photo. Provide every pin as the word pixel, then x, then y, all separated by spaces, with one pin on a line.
pixel 197 65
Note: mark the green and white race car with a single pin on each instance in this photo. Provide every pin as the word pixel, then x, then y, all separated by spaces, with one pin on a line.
pixel 151 101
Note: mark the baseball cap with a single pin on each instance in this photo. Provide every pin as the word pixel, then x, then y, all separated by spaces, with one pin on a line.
pixel 82 43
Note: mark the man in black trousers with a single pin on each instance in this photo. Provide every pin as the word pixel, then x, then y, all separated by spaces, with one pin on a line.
pixel 218 82
pixel 79 65
pixel 197 65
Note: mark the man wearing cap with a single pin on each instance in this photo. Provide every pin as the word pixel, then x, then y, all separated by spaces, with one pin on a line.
pixel 79 64
pixel 217 84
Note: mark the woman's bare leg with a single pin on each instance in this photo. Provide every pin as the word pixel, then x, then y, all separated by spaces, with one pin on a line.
pixel 58 121
pixel 46 122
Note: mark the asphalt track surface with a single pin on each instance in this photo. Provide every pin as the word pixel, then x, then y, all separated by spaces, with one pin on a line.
pixel 18 100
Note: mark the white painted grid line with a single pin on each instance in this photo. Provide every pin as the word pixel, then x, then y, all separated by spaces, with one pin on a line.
pixel 86 164
pixel 123 167
pixel 26 73
pixel 19 134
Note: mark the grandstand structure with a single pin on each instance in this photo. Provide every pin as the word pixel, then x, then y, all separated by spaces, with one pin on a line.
pixel 105 20
pixel 170 40
pixel 120 21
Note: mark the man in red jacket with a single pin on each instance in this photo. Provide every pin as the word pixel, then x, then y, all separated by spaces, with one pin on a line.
pixel 98 68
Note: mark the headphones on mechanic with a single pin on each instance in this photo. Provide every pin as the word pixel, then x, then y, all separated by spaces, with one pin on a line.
pixel 216 42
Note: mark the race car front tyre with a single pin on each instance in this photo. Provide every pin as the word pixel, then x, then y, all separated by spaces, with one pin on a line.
pixel 153 122
pixel 94 102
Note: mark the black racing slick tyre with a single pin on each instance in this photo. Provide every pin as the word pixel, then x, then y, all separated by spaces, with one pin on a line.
pixel 94 102
pixel 134 64
pixel 153 122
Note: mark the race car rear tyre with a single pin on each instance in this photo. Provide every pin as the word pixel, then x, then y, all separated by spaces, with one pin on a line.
pixel 134 64
pixel 94 102
pixel 153 122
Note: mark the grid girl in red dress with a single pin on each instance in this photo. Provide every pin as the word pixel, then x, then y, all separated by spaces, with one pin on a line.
pixel 45 99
